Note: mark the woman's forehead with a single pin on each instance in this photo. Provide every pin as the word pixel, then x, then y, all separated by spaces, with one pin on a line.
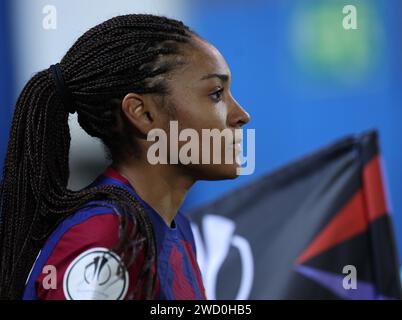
pixel 203 59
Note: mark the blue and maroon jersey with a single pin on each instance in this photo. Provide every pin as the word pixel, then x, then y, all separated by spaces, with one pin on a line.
pixel 77 260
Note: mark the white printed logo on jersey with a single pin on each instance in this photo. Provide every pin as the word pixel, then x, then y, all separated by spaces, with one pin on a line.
pixel 96 274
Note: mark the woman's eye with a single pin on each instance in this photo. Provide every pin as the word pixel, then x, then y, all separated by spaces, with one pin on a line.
pixel 217 95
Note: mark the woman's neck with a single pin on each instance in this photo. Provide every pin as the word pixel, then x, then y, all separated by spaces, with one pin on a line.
pixel 161 186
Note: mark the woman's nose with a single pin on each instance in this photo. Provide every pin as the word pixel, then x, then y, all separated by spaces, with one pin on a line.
pixel 239 116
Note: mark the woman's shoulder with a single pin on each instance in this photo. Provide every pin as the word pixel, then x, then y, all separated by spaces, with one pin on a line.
pixel 89 233
pixel 94 225
pixel 91 211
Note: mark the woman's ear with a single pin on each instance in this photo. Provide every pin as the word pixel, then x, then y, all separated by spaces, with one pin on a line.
pixel 139 112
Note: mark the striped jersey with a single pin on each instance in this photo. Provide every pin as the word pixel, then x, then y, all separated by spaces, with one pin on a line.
pixel 77 261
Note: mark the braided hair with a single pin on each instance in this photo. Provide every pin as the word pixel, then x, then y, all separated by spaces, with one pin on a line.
pixel 129 53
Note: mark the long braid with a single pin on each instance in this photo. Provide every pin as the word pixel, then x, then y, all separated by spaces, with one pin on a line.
pixel 128 53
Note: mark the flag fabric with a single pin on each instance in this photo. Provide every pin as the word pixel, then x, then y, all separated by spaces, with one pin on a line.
pixel 318 228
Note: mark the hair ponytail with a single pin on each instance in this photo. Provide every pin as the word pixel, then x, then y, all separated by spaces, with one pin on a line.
pixel 113 58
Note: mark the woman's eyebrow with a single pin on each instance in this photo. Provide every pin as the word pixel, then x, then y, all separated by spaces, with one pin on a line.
pixel 223 77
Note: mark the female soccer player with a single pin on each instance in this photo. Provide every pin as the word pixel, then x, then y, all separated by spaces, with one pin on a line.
pixel 123 236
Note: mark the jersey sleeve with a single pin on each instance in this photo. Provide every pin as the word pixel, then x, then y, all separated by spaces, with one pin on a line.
pixel 81 264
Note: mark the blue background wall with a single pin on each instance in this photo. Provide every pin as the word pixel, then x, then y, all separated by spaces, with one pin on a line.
pixel 6 76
